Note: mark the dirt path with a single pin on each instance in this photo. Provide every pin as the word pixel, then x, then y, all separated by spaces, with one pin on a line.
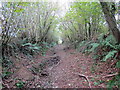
pixel 63 75
pixel 55 70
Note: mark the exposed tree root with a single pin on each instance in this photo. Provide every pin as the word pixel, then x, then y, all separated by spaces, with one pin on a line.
pixel 110 75
pixel 86 77
pixel 6 85
pixel 54 66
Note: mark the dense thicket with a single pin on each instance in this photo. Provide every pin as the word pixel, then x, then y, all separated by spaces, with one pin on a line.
pixel 25 22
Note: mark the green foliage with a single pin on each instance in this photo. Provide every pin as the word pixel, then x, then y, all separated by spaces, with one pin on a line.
pixel 0 60
pixel 45 46
pixel 96 83
pixel 80 45
pixel 94 46
pixel 115 82
pixel 107 46
pixel 52 44
pixel 7 62
pixel 32 29
pixel 19 10
pixel 6 74
pixel 82 21
pixel 30 48
pixel 110 54
pixel 118 64
pixel 20 84
pixel 84 46
pixel 93 69
pixel 103 49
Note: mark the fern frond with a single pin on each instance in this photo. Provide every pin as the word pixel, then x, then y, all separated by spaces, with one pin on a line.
pixel 94 46
pixel 109 55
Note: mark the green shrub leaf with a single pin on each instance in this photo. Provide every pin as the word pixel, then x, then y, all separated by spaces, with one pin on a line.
pixel 118 64
pixel 94 46
pixel 109 55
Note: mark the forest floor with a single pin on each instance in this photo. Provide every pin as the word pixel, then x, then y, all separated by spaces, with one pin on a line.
pixel 61 67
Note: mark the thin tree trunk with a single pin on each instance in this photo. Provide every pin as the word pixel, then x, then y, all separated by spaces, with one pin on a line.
pixel 86 30
pixel 89 30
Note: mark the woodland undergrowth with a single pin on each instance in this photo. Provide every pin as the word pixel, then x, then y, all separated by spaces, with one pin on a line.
pixel 25 47
pixel 104 48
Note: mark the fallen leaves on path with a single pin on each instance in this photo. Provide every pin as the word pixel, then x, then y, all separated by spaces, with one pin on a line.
pixel 62 70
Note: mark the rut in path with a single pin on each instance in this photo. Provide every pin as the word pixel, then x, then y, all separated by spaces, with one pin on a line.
pixel 55 70
pixel 62 75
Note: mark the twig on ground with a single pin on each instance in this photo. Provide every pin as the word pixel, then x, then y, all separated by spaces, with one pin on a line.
pixel 110 75
pixel 6 85
pixel 86 77
pixel 54 66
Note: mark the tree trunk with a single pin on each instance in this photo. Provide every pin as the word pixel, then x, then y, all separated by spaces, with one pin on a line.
pixel 110 20
pixel 86 35
pixel 89 30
